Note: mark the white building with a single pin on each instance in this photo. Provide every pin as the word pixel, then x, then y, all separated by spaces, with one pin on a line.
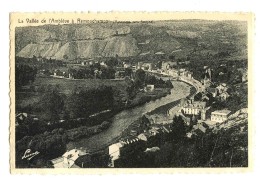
pixel 194 107
pixel 103 64
pixel 114 152
pixel 189 75
pixel 68 159
pixel 220 115
pixel 167 65
pixel 149 88
pixel 173 72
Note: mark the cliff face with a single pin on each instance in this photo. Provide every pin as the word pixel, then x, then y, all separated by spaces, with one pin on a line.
pixel 45 49
pixel 92 40
pixel 122 39
pixel 123 46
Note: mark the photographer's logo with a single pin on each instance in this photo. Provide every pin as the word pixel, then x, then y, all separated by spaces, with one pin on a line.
pixel 29 155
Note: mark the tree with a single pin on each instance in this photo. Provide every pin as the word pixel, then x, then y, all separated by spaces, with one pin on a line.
pixel 150 79
pixel 140 78
pixel 128 72
pixel 172 57
pixel 24 74
pixel 178 128
pixel 53 104
pixel 65 57
pixel 84 102
pixel 108 73
pixel 130 91
pixel 169 84
pixel 112 62
pixel 75 104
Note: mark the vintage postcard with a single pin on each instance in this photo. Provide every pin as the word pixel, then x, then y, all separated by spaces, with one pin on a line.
pixel 131 92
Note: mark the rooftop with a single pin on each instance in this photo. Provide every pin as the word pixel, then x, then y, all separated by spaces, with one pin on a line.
pixel 212 90
pixel 74 154
pixel 200 127
pixel 159 53
pixel 144 53
pixel 223 84
pixel 222 112
pixel 196 104
pixel 128 140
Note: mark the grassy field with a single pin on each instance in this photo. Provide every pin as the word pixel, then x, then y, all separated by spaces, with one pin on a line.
pixel 67 85
pixel 32 100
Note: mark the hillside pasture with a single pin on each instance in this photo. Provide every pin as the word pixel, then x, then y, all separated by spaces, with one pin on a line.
pixel 67 85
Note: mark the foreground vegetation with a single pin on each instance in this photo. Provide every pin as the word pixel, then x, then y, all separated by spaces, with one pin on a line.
pixel 214 148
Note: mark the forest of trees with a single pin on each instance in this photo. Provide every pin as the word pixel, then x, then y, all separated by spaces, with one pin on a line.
pixel 24 74
pixel 55 106
pixel 84 102
pixel 140 80
pixel 51 144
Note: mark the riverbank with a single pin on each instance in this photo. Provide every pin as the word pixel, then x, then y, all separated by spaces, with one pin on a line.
pixel 141 99
pixel 145 97
pixel 163 109
pixel 160 111
pixel 126 117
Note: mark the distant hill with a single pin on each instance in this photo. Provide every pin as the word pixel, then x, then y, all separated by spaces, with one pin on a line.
pixel 127 39
pixel 123 46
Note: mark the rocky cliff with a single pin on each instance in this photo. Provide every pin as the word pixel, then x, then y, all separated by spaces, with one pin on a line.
pixel 123 46
pixel 122 39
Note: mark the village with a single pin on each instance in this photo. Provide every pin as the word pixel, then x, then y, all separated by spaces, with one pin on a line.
pixel 196 111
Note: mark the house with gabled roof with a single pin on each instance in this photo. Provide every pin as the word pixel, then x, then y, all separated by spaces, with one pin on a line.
pixel 67 160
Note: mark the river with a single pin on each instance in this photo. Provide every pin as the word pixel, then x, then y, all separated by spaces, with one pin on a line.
pixel 124 118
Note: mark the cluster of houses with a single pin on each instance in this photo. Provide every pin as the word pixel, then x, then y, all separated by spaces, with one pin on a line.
pixel 118 150
pixel 150 66
pixel 202 110
pixel 202 117
pixel 196 112
pixel 120 70
pixel 167 68
pixel 199 107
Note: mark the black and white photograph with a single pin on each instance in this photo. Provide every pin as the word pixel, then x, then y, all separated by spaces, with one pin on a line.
pixel 146 93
